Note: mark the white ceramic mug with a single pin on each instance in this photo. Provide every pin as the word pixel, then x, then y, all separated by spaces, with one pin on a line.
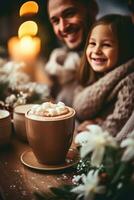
pixel 5 127
pixel 19 121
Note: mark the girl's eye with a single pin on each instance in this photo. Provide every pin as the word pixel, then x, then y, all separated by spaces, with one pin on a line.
pixel 91 44
pixel 107 45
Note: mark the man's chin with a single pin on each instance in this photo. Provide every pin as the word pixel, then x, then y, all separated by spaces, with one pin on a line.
pixel 78 46
pixel 75 47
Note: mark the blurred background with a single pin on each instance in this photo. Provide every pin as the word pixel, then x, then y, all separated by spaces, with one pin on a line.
pixel 10 22
pixel 26 41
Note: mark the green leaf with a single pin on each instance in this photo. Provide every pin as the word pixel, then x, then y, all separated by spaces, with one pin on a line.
pixel 120 171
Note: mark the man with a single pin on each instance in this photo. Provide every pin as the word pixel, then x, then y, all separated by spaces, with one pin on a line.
pixel 70 20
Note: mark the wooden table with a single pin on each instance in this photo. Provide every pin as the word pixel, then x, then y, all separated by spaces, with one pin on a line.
pixel 19 182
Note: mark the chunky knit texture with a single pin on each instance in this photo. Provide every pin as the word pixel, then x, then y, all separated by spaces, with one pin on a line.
pixel 111 98
pixel 127 128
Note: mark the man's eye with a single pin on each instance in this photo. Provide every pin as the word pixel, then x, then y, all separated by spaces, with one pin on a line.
pixel 69 13
pixel 54 21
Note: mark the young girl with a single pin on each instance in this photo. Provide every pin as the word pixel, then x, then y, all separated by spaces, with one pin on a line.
pixel 107 74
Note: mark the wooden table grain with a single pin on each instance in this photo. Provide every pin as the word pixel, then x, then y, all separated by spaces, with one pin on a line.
pixel 18 182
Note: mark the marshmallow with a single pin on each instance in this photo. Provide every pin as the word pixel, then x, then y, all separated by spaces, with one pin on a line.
pixel 49 109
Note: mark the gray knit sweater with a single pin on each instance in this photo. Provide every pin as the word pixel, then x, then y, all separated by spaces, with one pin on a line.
pixel 110 98
pixel 127 128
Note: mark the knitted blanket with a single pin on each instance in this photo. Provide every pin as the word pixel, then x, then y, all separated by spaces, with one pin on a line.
pixel 111 98
pixel 127 128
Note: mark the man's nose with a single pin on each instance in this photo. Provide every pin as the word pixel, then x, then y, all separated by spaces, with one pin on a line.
pixel 63 24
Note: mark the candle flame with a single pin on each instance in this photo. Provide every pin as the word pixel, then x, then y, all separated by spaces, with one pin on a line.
pixel 25 49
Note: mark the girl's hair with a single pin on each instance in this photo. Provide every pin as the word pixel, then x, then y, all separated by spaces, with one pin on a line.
pixel 123 28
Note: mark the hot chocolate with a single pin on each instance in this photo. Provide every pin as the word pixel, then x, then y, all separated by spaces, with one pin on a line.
pixel 50 130
pixel 50 112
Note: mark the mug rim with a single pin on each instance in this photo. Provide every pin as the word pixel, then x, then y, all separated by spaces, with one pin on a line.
pixel 6 112
pixel 49 120
pixel 22 112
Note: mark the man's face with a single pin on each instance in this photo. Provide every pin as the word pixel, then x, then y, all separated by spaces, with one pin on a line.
pixel 68 18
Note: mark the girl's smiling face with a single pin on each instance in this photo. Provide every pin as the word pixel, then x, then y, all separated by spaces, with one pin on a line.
pixel 102 50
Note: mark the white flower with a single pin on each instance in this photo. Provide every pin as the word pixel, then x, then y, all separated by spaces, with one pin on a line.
pixel 89 187
pixel 94 140
pixel 17 78
pixel 12 66
pixel 129 144
pixel 10 73
pixel 82 138
pixel 77 178
pixel 43 90
pixel 10 99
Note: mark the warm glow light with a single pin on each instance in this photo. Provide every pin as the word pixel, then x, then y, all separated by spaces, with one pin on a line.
pixel 30 7
pixel 13 47
pixel 29 45
pixel 28 28
pixel 25 49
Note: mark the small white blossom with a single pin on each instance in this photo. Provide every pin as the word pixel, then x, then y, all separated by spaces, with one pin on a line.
pixel 21 100
pixel 129 144
pixel 10 73
pixel 77 178
pixel 82 138
pixel 17 78
pixel 94 140
pixel 12 66
pixel 18 89
pixel 119 186
pixel 42 90
pixel 89 186
pixel 10 99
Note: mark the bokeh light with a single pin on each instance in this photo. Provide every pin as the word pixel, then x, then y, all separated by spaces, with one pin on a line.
pixel 28 28
pixel 30 7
